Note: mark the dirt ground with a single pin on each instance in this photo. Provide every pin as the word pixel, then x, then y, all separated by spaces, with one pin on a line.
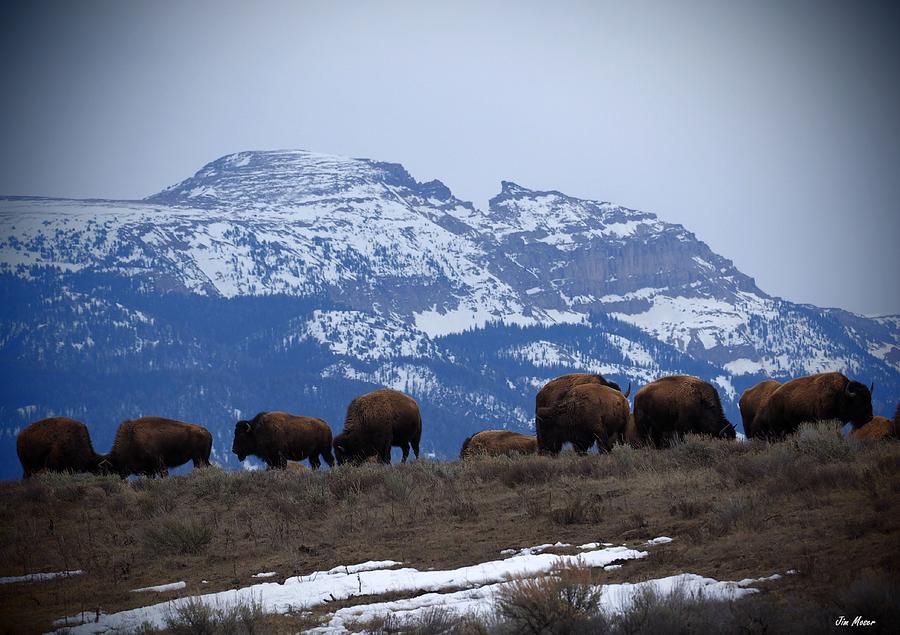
pixel 818 504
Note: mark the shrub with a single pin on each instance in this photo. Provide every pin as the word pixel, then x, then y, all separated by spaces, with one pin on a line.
pixel 195 617
pixel 576 509
pixel 179 536
pixel 563 603
pixel 693 451
pixel 317 499
pixel 435 621
pixel 687 508
pixel 526 470
pixel 209 482
pixel 675 612
pixel 626 456
pixel 872 597
pixel 733 511
pixel 354 480
pixel 398 486
pixel 822 441
pixel 773 460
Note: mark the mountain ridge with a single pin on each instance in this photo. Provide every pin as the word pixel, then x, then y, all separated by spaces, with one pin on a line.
pixel 351 273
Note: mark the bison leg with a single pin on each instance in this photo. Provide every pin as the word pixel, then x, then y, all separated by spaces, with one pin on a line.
pixel 328 456
pixel 405 449
pixel 415 447
pixel 277 463
pixel 314 460
pixel 384 454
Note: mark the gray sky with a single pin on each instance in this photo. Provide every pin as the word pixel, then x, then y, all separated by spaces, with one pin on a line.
pixel 768 128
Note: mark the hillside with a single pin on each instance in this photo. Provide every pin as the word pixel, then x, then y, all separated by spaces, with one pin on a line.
pixel 293 280
pixel 803 531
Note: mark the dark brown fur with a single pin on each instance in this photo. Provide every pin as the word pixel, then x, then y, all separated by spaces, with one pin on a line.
pixel 878 428
pixel 752 399
pixel 375 422
pixel 589 413
pixel 277 437
pixel 814 398
pixel 673 406
pixel 57 444
pixel 151 445
pixel 498 443
pixel 555 391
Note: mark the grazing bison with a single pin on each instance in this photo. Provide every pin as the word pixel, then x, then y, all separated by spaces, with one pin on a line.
pixel 554 391
pixel 752 399
pixel 498 443
pixel 678 404
pixel 151 445
pixel 277 437
pixel 375 422
pixel 814 398
pixel 588 413
pixel 877 428
pixel 57 444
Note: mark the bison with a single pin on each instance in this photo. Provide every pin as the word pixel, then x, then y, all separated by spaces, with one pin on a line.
pixel 814 398
pixel 151 445
pixel 498 443
pixel 588 413
pixel 752 399
pixel 877 428
pixel 58 444
pixel 375 422
pixel 675 405
pixel 554 391
pixel 277 437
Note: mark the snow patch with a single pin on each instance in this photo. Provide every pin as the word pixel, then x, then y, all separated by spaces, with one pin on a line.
pixel 368 578
pixel 39 577
pixel 162 588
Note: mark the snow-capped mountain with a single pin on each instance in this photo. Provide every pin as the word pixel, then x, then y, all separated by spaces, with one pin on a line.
pixel 292 279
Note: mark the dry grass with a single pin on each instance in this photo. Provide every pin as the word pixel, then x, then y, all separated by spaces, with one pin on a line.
pixel 816 503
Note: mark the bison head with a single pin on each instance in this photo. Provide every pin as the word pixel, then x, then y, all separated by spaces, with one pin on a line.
pixel 347 450
pixel 546 433
pixel 856 403
pixel 244 442
pixel 104 465
pixel 728 431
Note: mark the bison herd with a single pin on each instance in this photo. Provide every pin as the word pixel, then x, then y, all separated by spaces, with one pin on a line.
pixel 580 409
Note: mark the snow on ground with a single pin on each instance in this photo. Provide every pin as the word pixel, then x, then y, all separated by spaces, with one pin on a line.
pixel 659 541
pixel 39 577
pixel 477 587
pixel 614 599
pixel 78 618
pixel 368 578
pixel 162 588
pixel 265 574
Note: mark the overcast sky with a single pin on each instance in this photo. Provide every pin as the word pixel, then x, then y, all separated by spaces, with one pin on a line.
pixel 770 129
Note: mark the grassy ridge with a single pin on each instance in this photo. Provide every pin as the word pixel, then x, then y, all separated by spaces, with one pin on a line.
pixel 820 504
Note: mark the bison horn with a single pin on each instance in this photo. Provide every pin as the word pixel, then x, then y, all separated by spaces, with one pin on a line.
pixel 247 425
pixel 628 392
pixel 847 391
